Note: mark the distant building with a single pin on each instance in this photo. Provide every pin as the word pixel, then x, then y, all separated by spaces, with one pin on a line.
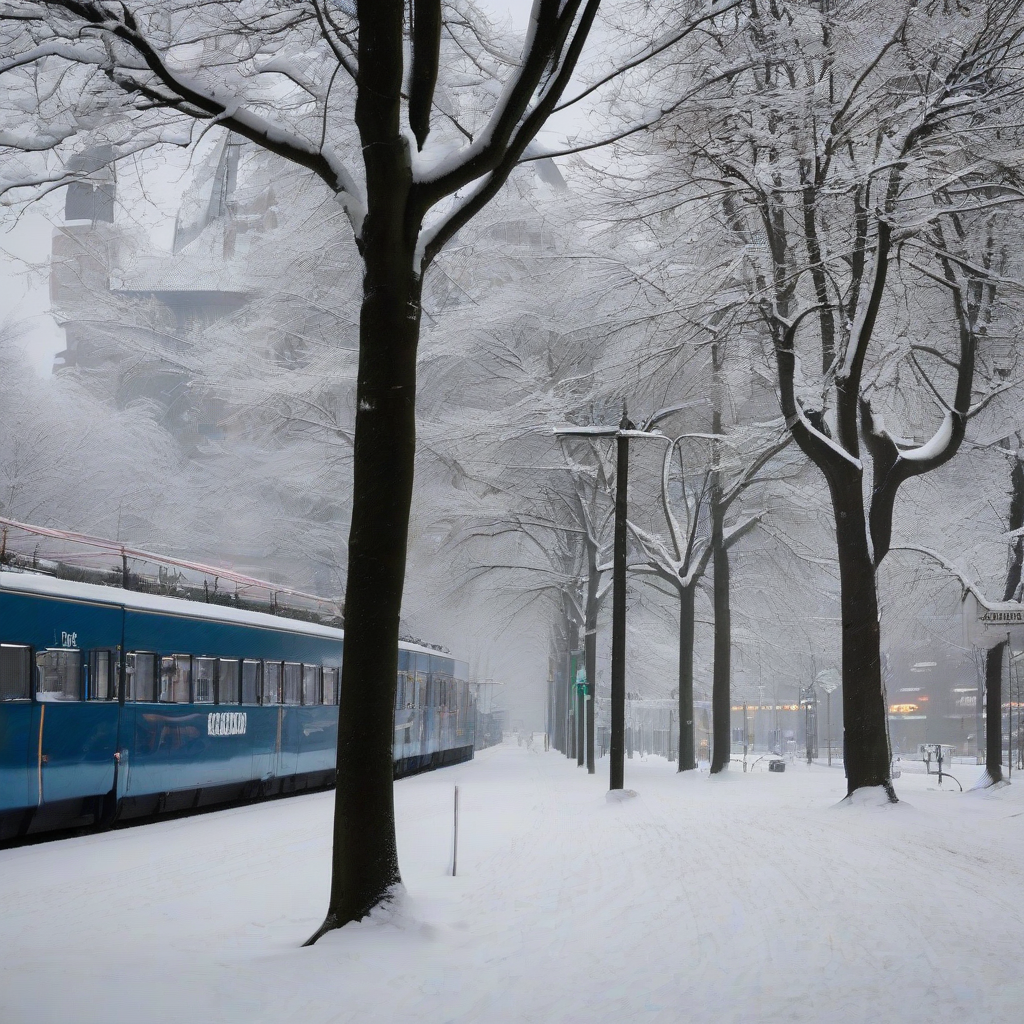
pixel 128 314
pixel 934 696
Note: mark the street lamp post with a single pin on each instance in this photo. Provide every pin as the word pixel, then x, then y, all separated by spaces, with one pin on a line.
pixel 828 680
pixel 618 736
pixel 622 435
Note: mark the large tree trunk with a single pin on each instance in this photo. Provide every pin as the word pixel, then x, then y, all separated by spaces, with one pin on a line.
pixel 365 855
pixel 559 710
pixel 721 702
pixel 571 724
pixel 994 657
pixel 687 755
pixel 365 865
pixel 590 664
pixel 994 711
pixel 867 755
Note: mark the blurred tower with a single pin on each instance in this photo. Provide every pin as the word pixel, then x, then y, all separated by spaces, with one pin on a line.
pixel 84 249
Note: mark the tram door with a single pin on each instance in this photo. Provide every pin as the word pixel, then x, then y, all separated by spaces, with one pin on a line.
pixel 266 739
pixel 78 712
pixel 19 723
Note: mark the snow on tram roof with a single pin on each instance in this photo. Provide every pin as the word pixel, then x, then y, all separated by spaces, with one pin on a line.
pixel 50 586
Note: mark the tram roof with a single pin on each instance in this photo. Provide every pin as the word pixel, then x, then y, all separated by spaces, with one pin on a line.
pixel 51 586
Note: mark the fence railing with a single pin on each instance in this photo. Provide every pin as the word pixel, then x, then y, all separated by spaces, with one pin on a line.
pixel 65 554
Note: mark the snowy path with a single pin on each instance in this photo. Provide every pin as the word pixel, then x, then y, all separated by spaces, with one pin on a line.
pixel 751 898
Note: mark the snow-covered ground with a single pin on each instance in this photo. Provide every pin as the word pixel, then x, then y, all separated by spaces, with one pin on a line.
pixel 748 898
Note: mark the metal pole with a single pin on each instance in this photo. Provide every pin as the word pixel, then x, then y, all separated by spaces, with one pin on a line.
pixel 588 701
pixel 828 695
pixel 807 723
pixel 618 687
pixel 455 838
pixel 744 735
pixel 581 740
pixel 570 707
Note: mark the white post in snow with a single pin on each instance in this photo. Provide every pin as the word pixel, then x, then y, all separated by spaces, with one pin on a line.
pixel 455 836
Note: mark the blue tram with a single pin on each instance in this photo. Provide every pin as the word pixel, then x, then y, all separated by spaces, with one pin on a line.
pixel 116 704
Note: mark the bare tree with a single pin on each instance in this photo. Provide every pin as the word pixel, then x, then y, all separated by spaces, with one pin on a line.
pixel 302 80
pixel 697 539
pixel 861 191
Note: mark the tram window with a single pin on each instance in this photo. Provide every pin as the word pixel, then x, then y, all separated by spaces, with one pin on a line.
pixel 101 675
pixel 271 682
pixel 59 674
pixel 250 682
pixel 405 690
pixel 292 689
pixel 15 672
pixel 421 699
pixel 311 684
pixel 227 681
pixel 441 670
pixel 330 686
pixel 141 671
pixel 175 672
pixel 202 680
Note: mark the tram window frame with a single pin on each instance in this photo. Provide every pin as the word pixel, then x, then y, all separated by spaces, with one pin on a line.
pixel 405 686
pixel 421 698
pixel 15 685
pixel 179 691
pixel 236 666
pixel 251 688
pixel 132 662
pixel 73 659
pixel 329 672
pixel 291 683
pixel 442 670
pixel 276 667
pixel 209 693
pixel 312 679
pixel 112 674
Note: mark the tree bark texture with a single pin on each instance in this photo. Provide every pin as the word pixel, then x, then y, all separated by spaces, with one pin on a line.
pixel 560 664
pixel 365 858
pixel 687 754
pixel 365 855
pixel 590 663
pixel 571 731
pixel 721 705
pixel 994 711
pixel 994 656
pixel 867 754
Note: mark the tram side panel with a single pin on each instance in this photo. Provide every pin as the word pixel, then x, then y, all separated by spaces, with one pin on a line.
pixel 185 735
pixel 59 711
pixel 166 711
